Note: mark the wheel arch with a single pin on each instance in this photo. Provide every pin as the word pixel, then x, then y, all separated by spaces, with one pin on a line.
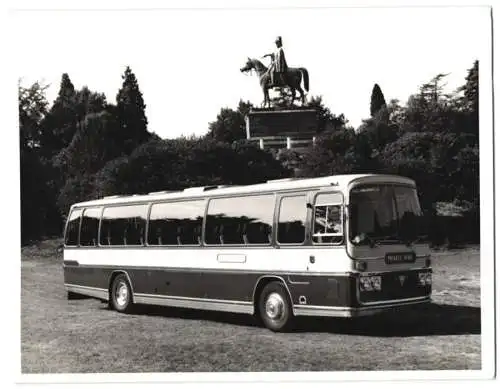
pixel 262 281
pixel 113 275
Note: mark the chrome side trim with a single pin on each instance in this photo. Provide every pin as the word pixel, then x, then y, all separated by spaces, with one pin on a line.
pixel 313 310
pixel 268 272
pixel 196 303
pixel 419 256
pixel 88 291
pixel 298 282
pixel 383 302
pixel 375 272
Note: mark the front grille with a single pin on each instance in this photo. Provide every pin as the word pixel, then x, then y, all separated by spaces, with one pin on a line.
pixel 394 287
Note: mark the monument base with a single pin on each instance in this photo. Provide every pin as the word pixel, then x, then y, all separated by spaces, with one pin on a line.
pixel 284 128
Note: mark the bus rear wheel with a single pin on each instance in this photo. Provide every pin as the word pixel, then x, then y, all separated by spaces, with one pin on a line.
pixel 121 294
pixel 275 308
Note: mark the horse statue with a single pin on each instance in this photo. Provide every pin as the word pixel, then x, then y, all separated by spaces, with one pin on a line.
pixel 292 77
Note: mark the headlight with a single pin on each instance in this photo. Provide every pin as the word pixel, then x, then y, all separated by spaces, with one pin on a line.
pixel 376 282
pixel 370 283
pixel 425 278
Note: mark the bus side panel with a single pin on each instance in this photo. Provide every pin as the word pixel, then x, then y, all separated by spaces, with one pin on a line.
pixel 325 291
pixel 235 286
pixel 88 276
pixel 166 282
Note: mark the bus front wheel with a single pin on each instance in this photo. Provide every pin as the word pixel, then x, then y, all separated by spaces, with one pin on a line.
pixel 275 308
pixel 121 294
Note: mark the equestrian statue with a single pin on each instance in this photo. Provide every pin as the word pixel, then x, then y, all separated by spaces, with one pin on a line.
pixel 278 75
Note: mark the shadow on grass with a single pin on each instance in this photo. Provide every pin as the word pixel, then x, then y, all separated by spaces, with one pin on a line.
pixel 435 319
pixel 195 314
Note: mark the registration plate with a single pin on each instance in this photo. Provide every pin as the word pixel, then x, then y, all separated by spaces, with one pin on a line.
pixel 392 258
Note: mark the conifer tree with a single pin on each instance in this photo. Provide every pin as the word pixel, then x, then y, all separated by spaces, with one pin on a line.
pixel 377 100
pixel 131 115
pixel 60 124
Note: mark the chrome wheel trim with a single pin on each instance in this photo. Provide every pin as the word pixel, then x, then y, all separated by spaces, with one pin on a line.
pixel 122 294
pixel 275 306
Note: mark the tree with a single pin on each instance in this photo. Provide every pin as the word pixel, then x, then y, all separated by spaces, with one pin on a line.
pixel 471 89
pixel 377 100
pixel 327 121
pixel 131 115
pixel 32 109
pixel 91 147
pixel 430 110
pixel 88 102
pixel 60 124
pixel 74 190
pixel 180 163
pixel 39 215
pixel 468 103
pixel 338 152
pixel 230 125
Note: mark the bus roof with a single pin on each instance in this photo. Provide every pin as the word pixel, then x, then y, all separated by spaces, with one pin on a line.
pixel 339 182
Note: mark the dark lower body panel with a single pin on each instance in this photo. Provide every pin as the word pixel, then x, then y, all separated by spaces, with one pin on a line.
pixel 236 291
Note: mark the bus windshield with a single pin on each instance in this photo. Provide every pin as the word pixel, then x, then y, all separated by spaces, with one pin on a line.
pixel 385 214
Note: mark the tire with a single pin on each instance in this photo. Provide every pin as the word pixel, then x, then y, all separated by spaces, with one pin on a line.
pixel 275 308
pixel 121 294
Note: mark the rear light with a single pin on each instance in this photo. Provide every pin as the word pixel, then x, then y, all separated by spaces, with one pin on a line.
pixel 370 283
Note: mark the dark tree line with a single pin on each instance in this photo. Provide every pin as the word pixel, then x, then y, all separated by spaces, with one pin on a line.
pixel 433 139
pixel 83 147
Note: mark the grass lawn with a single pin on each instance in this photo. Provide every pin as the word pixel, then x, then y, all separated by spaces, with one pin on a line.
pixel 60 336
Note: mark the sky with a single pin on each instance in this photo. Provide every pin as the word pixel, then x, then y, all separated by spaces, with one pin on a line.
pixel 187 61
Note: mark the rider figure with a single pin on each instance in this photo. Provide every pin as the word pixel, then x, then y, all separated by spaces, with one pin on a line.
pixel 278 66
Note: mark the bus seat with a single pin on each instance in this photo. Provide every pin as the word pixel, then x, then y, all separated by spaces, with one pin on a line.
pixel 197 233
pixel 158 235
pixel 244 233
pixel 179 234
pixel 221 234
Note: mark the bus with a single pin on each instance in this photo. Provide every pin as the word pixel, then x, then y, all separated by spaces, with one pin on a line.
pixel 342 246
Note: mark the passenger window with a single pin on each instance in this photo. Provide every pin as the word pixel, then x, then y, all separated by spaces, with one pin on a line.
pixel 328 219
pixel 176 224
pixel 292 220
pixel 123 225
pixel 90 227
pixel 244 220
pixel 73 227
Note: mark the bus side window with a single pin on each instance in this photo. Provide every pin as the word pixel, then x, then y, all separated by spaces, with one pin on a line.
pixel 327 224
pixel 328 221
pixel 237 220
pixel 123 225
pixel 177 223
pixel 72 229
pixel 292 219
pixel 90 227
